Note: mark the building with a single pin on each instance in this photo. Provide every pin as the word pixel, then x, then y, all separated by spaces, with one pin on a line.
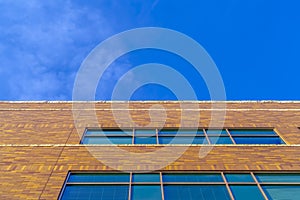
pixel 46 155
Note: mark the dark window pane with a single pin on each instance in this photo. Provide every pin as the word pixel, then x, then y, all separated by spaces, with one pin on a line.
pixel 107 140
pixel 145 140
pixel 181 132
pixel 182 140
pixel 149 132
pixel 145 178
pixel 220 140
pixel 191 192
pixel 93 192
pixel 109 132
pixel 246 192
pixel 167 140
pixel 258 140
pixel 278 177
pixel 239 178
pixel 200 140
pixel 98 177
pixel 193 177
pixel 216 132
pixel 282 192
pixel 168 131
pixel 146 192
pixel 251 132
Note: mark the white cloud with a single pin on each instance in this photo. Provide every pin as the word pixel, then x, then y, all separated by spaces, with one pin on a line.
pixel 45 42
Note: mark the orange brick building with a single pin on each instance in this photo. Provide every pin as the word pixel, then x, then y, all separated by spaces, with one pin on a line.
pixel 40 144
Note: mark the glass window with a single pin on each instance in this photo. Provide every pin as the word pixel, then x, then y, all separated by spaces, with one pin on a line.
pixel 181 132
pixel 145 140
pixel 98 177
pixel 216 132
pixel 95 192
pixel 220 140
pixel 146 192
pixel 108 132
pixel 184 192
pixel 285 177
pixel 149 132
pixel 246 192
pixel 183 136
pixel 182 140
pixel 239 178
pixel 258 140
pixel 282 192
pixel 107 140
pixel 252 132
pixel 145 178
pixel 185 186
pixel 192 177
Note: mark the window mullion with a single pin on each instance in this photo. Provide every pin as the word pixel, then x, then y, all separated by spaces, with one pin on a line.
pixel 156 134
pixel 258 185
pixel 206 136
pixel 227 186
pixel 133 131
pixel 230 136
pixel 130 183
pixel 161 186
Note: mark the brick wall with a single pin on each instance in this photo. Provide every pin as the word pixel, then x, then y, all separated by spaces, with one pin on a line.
pixel 40 143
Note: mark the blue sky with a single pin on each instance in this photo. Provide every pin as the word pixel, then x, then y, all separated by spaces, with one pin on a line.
pixel 255 45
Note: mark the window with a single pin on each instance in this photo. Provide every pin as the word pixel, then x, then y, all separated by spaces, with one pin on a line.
pixel 145 136
pixel 108 136
pixel 103 186
pixel 180 136
pixel 185 186
pixel 255 136
pixel 264 185
pixel 246 192
pixel 192 177
pixel 280 186
pixel 191 192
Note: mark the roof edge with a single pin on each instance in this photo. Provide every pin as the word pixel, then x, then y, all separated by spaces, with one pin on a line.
pixel 152 101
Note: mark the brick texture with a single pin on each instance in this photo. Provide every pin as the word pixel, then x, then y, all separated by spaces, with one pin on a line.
pixel 40 141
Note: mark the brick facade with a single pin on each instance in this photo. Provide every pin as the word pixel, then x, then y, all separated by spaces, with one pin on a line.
pixel 40 143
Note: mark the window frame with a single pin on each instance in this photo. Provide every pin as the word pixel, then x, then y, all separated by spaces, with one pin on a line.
pixel 260 185
pixel 224 133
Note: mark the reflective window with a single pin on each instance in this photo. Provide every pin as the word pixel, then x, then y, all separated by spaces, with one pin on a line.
pixel 98 177
pixel 183 136
pixel 216 132
pixel 192 177
pixel 182 140
pixel 145 140
pixel 246 192
pixel 181 132
pixel 95 192
pixel 282 192
pixel 257 140
pixel 185 186
pixel 252 132
pixel 108 132
pixel 239 177
pixel 107 140
pixel 146 192
pixel 149 132
pixel 285 177
pixel 220 140
pixel 191 192
pixel 145 178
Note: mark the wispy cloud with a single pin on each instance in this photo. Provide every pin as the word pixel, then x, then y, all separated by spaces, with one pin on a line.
pixel 42 46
